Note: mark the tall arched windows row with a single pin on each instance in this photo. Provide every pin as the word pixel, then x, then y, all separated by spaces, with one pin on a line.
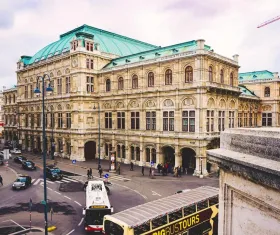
pixel 210 74
pixel 231 82
pixel 108 85
pixel 168 77
pixel 189 74
pixel 150 79
pixel 266 92
pixel 134 82
pixel 120 83
pixel 222 76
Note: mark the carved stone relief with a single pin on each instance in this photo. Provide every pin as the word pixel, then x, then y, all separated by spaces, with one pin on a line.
pixel 211 103
pixel 134 104
pixel 168 103
pixel 150 103
pixel 187 102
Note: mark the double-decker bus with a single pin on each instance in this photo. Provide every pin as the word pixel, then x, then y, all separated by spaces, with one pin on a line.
pixel 193 212
pixel 97 206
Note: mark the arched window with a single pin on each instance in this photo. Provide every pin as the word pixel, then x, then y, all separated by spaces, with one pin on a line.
pixel 148 155
pixel 150 79
pixel 189 74
pixel 222 76
pixel 108 85
pixel 134 82
pixel 168 77
pixel 267 92
pixel 210 74
pixel 120 83
pixel 154 156
pixel 231 79
pixel 10 99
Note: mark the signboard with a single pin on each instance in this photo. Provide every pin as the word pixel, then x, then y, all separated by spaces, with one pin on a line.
pixel 6 154
pixel 152 163
pixel 106 176
pixel 74 161
pixel 184 224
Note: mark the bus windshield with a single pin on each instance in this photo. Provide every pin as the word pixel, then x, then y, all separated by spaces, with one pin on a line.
pixel 112 228
pixel 95 217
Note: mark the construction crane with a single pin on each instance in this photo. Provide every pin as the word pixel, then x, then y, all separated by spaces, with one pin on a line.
pixel 269 22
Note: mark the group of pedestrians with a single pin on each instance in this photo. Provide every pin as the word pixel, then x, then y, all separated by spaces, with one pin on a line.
pixel 151 171
pixel 177 171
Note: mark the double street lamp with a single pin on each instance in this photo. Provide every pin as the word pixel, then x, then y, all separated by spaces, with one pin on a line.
pixel 98 133
pixel 37 91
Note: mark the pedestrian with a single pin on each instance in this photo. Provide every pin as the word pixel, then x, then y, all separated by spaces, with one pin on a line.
pixel 119 168
pixel 143 170
pixel 1 180
pixel 90 173
pixel 100 171
pixel 131 166
pixel 158 168
pixel 150 172
pixel 179 171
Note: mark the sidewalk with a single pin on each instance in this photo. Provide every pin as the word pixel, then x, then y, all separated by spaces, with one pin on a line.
pixel 8 176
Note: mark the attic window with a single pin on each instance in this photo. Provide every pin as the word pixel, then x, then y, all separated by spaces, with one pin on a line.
pixel 240 78
pixel 174 50
pixel 114 63
pixel 127 61
pixel 141 57
pixel 157 54
pixel 254 76
pixel 89 46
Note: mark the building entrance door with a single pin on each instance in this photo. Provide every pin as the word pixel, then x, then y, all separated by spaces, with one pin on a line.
pixel 188 160
pixel 90 150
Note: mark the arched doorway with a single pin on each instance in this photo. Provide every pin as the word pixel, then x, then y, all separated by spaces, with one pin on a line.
pixel 188 160
pixel 89 150
pixel 168 155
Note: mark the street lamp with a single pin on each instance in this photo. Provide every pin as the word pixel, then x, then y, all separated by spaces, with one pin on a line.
pixel 37 91
pixel 98 133
pixel 52 139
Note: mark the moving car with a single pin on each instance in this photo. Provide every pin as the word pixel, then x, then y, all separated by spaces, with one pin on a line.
pixel 22 182
pixel 53 173
pixel 20 159
pixel 16 151
pixel 28 165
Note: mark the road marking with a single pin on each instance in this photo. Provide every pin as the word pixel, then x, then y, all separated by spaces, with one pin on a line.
pixel 65 181
pixel 132 190
pixel 18 224
pixel 48 181
pixel 58 181
pixel 155 193
pixel 57 192
pixel 67 178
pixel 78 203
pixel 32 181
pixel 81 222
pixel 68 197
pixel 70 232
pixel 37 181
pixel 49 188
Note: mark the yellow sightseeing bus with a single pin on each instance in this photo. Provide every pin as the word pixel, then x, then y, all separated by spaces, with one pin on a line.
pixel 194 212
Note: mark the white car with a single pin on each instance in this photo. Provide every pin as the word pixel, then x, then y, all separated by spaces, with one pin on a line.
pixel 16 151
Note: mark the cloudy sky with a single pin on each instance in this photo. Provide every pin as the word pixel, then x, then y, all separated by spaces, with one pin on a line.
pixel 228 26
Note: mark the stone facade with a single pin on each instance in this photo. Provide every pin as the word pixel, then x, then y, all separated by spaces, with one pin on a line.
pixel 249 201
pixel 168 108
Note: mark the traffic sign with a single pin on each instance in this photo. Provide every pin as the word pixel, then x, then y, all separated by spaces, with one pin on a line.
pixel 43 202
pixel 106 176
pixel 74 161
pixel 152 163
pixel 30 204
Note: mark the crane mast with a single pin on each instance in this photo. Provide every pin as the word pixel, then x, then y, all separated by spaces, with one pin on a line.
pixel 269 22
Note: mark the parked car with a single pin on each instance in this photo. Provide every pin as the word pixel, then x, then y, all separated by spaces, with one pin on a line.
pixel 16 151
pixel 2 154
pixel 20 159
pixel 53 173
pixel 22 182
pixel 28 165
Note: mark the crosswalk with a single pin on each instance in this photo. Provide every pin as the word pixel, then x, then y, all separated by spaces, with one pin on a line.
pixel 63 180
pixel 111 177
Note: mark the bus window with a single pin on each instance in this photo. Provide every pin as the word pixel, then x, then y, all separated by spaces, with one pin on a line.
pixel 112 228
pixel 189 210
pixel 95 216
pixel 143 228
pixel 157 222
pixel 175 215
pixel 202 205
pixel 213 201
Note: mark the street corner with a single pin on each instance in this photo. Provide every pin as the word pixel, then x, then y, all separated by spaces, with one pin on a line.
pixel 10 226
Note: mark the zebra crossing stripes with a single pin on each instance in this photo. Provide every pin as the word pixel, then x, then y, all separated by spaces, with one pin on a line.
pixel 64 180
pixel 115 178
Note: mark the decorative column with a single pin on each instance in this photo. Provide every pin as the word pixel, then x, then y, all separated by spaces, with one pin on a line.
pixel 144 157
pixel 128 154
pixel 178 157
pixel 197 170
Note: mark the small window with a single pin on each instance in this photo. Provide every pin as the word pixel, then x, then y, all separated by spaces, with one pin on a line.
pixel 168 77
pixel 202 205
pixel 108 85
pixel 120 83
pixel 231 79
pixel 188 74
pixel 267 92
pixel 222 76
pixel 210 74
pixel 143 228
pixel 134 82
pixel 175 215
pixel 189 210
pixel 160 221
pixel 150 79
pixel 213 201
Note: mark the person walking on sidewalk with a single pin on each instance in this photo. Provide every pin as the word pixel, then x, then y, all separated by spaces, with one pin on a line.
pixel 119 168
pixel 90 173
pixel 131 166
pixel 143 170
pixel 179 171
pixel 100 171
pixel 1 180
pixel 150 172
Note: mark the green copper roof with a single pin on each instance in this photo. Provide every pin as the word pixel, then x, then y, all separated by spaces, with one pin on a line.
pixel 109 42
pixel 246 91
pixel 256 75
pixel 155 53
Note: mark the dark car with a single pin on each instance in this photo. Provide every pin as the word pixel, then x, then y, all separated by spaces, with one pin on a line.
pixel 28 165
pixel 1 160
pixel 53 173
pixel 22 182
pixel 20 159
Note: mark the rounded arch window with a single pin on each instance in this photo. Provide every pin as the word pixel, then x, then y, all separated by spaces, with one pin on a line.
pixel 189 74
pixel 222 76
pixel 120 83
pixel 168 77
pixel 108 85
pixel 231 79
pixel 210 74
pixel 134 82
pixel 150 79
pixel 267 92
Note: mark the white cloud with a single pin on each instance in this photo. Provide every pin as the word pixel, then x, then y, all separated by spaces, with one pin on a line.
pixel 228 26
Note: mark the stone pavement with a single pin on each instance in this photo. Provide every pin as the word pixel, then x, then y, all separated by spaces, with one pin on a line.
pixel 8 175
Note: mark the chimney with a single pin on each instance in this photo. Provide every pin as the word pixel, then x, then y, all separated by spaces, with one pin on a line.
pixel 235 57
pixel 275 74
pixel 200 44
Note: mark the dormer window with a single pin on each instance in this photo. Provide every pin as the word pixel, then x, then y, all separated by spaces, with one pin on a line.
pixel 114 63
pixel 74 45
pixel 89 46
pixel 157 54
pixel 127 61
pixel 174 50
pixel 141 57
pixel 254 76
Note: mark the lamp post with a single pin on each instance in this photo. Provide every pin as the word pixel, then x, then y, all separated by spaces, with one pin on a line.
pixel 52 139
pixel 37 91
pixel 98 133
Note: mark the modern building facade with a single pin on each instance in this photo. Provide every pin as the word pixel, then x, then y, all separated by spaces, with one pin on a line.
pixel 160 104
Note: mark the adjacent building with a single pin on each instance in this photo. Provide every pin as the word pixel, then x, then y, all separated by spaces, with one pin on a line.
pixel 1 115
pixel 160 104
